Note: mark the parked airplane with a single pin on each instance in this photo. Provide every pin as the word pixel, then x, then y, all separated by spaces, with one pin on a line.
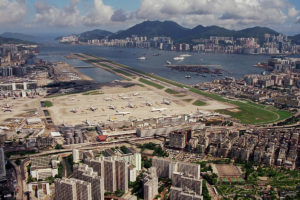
pixel 122 113
pixel 158 109
pixel 74 110
pixel 130 105
pixel 148 104
pixel 4 128
pixel 92 108
pixel 88 123
pixel 112 107
pixel 108 99
pixel 7 106
pixel 166 102
pixel 7 110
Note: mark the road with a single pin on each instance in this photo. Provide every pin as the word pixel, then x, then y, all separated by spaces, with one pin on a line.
pixel 20 193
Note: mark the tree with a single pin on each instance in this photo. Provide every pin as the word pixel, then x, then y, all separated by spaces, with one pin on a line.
pixel 125 150
pixel 147 162
pixel 205 191
pixel 119 193
pixel 58 146
pixel 18 161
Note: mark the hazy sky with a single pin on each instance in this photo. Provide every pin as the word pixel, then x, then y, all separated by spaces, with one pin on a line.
pixel 75 16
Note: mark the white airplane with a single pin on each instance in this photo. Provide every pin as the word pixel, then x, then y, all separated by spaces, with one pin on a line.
pixel 7 106
pixel 148 104
pixel 166 102
pixel 92 108
pixel 7 110
pixel 74 110
pixel 4 128
pixel 88 123
pixel 130 105
pixel 122 113
pixel 136 94
pixel 112 107
pixel 108 99
pixel 158 109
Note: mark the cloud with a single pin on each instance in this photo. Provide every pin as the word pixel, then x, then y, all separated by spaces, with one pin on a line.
pixel 120 16
pixel 293 12
pixel 12 11
pixel 54 16
pixel 226 13
pixel 101 14
pixel 229 13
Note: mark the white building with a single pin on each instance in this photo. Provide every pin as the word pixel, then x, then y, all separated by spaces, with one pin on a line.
pixel 43 173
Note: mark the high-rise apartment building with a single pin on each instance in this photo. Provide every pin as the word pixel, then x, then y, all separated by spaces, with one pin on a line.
pixel 150 184
pixel 72 189
pixel 86 173
pixel 121 175
pixel 2 166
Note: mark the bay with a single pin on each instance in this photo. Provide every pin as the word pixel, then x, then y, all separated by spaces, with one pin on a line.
pixel 235 65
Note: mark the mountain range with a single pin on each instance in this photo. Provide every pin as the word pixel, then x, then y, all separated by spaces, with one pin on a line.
pixel 19 36
pixel 4 40
pixel 176 32
pixel 296 39
pixel 166 28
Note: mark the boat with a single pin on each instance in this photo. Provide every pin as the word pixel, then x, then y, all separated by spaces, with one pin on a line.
pixel 188 76
pixel 156 54
pixel 141 58
pixel 185 55
pixel 178 58
pixel 168 62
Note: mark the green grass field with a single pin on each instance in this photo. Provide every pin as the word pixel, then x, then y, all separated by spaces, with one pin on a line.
pixel 188 100
pixel 199 103
pixel 249 113
pixel 48 103
pixel 151 83
pixel 93 92
pixel 170 91
pixel 124 73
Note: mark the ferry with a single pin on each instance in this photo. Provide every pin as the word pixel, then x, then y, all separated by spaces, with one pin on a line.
pixel 141 58
pixel 178 58
pixel 185 55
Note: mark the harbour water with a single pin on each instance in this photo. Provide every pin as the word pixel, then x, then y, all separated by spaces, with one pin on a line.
pixel 235 65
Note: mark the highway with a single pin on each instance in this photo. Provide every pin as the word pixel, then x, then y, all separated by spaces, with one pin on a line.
pixel 83 146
